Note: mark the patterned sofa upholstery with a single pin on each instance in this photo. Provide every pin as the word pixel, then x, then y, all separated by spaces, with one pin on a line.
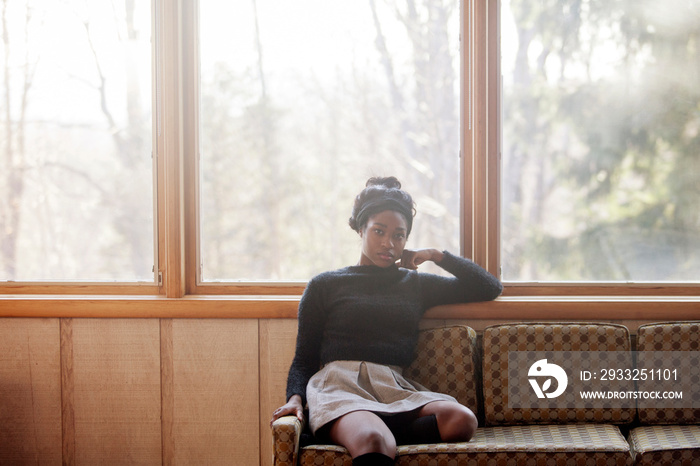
pixel 450 360
pixel 574 435
pixel 668 435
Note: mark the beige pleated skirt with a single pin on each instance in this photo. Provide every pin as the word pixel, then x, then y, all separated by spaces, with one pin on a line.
pixel 342 387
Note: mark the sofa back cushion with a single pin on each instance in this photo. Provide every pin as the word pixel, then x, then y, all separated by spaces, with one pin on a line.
pixel 446 362
pixel 670 336
pixel 499 340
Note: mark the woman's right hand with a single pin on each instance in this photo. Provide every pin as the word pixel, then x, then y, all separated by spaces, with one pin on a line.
pixel 292 407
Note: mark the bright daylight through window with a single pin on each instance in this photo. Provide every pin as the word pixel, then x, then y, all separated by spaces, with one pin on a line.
pixel 601 140
pixel 301 102
pixel 76 183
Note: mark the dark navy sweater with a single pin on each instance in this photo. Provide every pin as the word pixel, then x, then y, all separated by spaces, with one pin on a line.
pixel 369 313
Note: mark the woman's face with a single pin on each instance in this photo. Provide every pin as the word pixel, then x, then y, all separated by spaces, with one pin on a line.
pixel 383 239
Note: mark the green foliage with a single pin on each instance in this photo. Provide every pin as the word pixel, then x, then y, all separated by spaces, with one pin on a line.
pixel 601 111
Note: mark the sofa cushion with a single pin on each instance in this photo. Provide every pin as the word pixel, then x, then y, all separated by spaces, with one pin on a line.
pixel 326 455
pixel 670 336
pixel 446 362
pixel 499 340
pixel 652 445
pixel 536 444
pixel 592 444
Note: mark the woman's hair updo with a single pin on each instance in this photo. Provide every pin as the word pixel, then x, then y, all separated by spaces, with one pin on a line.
pixel 382 194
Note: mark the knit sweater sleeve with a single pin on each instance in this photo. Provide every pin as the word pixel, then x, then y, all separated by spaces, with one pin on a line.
pixel 470 283
pixel 311 321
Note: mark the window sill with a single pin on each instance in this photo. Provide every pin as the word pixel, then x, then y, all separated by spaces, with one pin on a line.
pixel 285 307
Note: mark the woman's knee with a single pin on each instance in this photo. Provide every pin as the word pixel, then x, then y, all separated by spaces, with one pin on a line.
pixel 363 433
pixel 377 440
pixel 457 424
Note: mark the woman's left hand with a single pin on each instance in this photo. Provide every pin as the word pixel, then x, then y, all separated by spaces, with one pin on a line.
pixel 411 259
pixel 293 407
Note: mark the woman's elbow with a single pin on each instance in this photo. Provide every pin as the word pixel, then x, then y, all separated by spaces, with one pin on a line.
pixel 493 290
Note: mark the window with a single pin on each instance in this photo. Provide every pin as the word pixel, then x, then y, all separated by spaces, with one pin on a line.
pixel 76 184
pixel 579 158
pixel 601 141
pixel 301 102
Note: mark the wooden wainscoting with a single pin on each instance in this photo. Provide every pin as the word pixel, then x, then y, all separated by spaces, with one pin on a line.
pixel 141 391
pixel 111 395
pixel 30 391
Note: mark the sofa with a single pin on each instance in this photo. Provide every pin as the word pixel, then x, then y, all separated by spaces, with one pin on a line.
pixel 668 435
pixel 475 370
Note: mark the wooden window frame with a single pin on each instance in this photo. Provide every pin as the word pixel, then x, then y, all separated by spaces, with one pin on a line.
pixel 161 11
pixel 481 146
pixel 179 293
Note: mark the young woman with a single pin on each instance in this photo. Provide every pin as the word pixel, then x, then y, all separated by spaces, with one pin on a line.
pixel 358 328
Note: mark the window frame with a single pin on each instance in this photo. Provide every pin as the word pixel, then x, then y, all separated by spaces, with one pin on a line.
pixel 482 158
pixel 193 284
pixel 135 288
pixel 176 156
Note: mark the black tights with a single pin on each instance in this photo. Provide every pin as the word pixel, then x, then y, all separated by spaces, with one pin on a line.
pixel 372 459
pixel 423 429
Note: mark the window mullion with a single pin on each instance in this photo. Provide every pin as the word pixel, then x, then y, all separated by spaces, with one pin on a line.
pixel 170 145
pixel 480 134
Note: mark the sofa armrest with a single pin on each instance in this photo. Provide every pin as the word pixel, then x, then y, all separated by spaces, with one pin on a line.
pixel 286 432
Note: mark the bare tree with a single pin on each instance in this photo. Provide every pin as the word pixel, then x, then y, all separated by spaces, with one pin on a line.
pixel 122 204
pixel 132 147
pixel 263 115
pixel 14 156
pixel 428 123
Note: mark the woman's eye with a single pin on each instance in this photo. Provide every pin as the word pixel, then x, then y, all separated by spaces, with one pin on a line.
pixel 378 231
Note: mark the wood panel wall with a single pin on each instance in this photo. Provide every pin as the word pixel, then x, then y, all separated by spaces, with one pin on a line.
pixel 30 391
pixel 145 391
pixel 215 392
pixel 141 391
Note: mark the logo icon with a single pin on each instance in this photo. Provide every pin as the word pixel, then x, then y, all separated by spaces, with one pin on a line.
pixel 542 369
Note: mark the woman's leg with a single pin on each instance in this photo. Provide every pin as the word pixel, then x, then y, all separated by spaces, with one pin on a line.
pixel 455 423
pixel 363 432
